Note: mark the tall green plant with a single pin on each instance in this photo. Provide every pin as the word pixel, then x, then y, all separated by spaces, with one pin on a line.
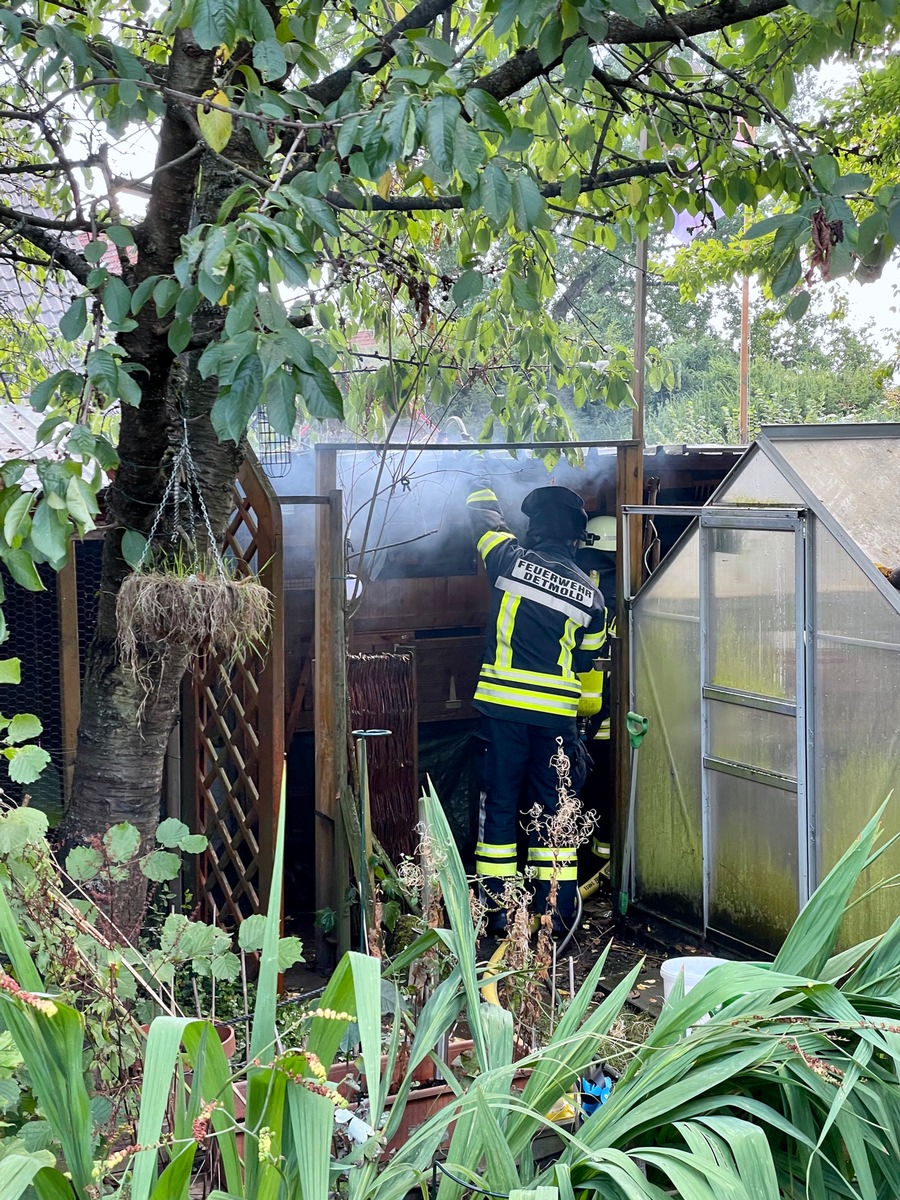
pixel 766 1082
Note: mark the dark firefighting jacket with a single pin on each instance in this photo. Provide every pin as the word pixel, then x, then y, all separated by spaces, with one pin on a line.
pixel 547 623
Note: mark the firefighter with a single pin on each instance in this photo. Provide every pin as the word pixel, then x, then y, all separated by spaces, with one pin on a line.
pixel 547 623
pixel 596 556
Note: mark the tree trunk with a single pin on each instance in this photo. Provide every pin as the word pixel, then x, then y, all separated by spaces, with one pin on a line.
pixel 125 726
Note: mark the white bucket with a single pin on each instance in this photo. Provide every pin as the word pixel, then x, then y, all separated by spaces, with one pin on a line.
pixel 694 969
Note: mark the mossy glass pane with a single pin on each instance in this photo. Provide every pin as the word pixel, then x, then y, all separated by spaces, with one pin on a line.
pixel 752 611
pixel 758 481
pixel 753 737
pixel 753 886
pixel 857 750
pixel 668 840
pixel 856 479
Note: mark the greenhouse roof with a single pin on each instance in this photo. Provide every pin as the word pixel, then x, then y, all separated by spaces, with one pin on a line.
pixel 853 470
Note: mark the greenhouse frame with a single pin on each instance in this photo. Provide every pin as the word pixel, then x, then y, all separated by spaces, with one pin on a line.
pixel 766 655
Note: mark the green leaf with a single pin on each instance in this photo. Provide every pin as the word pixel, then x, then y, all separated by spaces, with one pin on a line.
pixel 578 62
pixel 180 333
pixel 84 863
pixel 438 50
pixel 441 115
pixel 194 843
pixel 495 193
pixel 549 46
pixel 171 832
pixel 825 169
pixel 237 402
pixel 23 728
pixel 215 23
pixel 21 567
pixel 133 547
pixel 225 966
pixel 122 842
pixel 468 152
pixel 527 202
pixel 165 294
pixel 768 225
pixel 469 285
pixel 281 402
pixel 290 951
pixel 10 670
pixel 120 236
pixel 524 295
pixel 320 394
pixel 116 300
pixel 81 503
pixel 487 111
pixel 788 276
pixel 161 866
pixel 269 60
pixel 251 932
pixel 48 536
pixel 16 523
pixel 797 307
pixel 73 321
pixel 28 1175
pixel 103 372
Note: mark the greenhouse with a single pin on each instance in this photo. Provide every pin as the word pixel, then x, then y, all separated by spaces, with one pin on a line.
pixel 766 652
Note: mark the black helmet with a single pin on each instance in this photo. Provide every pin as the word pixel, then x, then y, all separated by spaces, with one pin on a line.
pixel 555 511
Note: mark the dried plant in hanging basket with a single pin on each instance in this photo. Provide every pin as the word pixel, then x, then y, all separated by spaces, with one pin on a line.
pixel 160 611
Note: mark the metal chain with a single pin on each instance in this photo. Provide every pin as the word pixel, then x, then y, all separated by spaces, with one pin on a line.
pixel 183 458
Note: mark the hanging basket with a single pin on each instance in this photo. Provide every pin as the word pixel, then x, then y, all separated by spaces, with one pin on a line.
pixel 179 601
pixel 159 611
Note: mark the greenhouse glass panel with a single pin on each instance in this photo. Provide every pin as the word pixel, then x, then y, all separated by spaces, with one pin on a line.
pixel 754 884
pixel 668 837
pixel 758 481
pixel 857 724
pixel 753 737
pixel 856 479
pixel 753 612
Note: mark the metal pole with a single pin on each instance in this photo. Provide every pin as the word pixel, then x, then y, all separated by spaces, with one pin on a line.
pixel 640 327
pixel 744 417
pixel 366 879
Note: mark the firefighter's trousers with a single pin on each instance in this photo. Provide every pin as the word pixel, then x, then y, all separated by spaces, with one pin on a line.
pixel 518 777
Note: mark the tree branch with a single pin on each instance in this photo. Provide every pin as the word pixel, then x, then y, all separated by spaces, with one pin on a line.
pixel 523 69
pixel 589 183
pixel 42 238
pixel 329 89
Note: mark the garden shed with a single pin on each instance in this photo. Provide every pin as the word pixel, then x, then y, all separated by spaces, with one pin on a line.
pixel 766 651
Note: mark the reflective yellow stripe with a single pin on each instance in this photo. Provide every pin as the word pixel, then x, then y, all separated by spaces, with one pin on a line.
pixel 533 701
pixel 567 645
pixel 506 619
pixel 593 641
pixel 600 849
pixel 481 495
pixel 538 678
pixel 561 874
pixel 495 870
pixel 490 541
pixel 490 850
pixel 602 734
pixel 552 854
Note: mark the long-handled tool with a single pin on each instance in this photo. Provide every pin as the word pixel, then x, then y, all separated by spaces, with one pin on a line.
pixel 636 727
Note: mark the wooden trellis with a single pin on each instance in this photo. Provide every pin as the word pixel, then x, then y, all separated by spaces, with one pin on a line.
pixel 237 713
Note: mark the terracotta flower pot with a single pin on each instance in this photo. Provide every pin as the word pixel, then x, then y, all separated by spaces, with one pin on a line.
pixel 423 1073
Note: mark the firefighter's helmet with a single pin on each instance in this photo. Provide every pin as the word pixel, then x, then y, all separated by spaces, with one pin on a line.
pixel 600 535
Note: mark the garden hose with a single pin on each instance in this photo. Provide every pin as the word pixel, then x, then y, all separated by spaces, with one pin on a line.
pixel 492 970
